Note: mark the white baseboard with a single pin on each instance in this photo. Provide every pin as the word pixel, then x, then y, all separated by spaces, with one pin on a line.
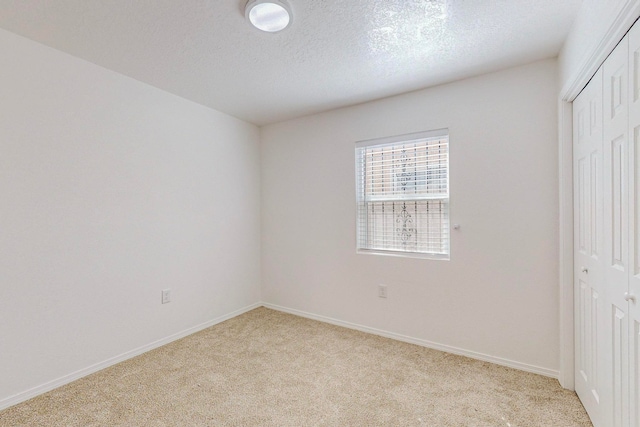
pixel 424 343
pixel 35 391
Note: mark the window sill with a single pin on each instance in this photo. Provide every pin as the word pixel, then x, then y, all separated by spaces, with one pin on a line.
pixel 417 255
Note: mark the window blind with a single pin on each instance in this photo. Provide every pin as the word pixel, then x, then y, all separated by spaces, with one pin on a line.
pixel 403 194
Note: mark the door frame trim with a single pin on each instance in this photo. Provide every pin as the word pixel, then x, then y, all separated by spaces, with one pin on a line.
pixel 627 14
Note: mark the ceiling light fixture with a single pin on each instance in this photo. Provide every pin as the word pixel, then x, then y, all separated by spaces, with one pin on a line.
pixel 268 15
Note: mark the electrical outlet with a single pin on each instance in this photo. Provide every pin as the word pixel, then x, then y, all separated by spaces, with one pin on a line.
pixel 166 296
pixel 382 291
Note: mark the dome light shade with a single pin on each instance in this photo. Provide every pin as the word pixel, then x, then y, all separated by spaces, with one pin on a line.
pixel 268 15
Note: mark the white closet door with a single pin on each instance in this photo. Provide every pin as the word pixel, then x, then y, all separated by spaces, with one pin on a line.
pixel 634 226
pixel 588 236
pixel 616 231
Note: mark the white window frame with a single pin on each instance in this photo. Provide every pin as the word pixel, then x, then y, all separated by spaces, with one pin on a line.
pixel 362 234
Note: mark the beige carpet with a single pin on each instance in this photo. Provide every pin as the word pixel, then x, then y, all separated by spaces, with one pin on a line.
pixel 267 368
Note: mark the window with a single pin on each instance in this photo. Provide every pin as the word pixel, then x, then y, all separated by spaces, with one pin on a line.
pixel 403 195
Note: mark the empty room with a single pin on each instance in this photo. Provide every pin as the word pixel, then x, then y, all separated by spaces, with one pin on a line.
pixel 320 213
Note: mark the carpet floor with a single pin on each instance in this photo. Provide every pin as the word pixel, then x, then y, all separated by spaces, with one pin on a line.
pixel 266 368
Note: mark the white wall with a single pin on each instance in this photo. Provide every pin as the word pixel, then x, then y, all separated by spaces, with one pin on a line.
pixel 111 191
pixel 498 295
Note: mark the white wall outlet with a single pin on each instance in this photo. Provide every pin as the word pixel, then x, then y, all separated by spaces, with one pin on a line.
pixel 166 296
pixel 382 291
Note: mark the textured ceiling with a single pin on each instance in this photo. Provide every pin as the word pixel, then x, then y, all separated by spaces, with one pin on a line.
pixel 335 53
